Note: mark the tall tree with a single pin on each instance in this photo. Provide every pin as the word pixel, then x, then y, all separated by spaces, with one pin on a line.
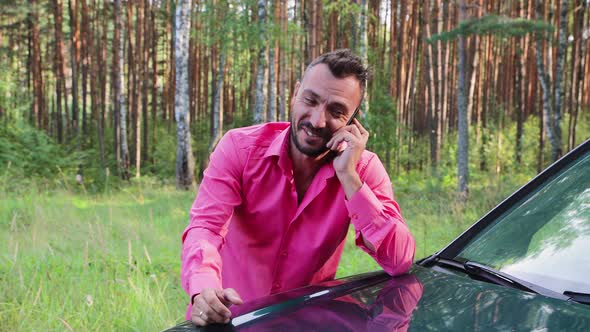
pixel 119 94
pixel 59 68
pixel 185 164
pixel 550 126
pixel 556 146
pixel 75 60
pixel 38 111
pixel 259 110
pixel 271 114
pixel 463 125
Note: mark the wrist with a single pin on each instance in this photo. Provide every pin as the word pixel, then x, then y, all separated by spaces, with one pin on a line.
pixel 351 183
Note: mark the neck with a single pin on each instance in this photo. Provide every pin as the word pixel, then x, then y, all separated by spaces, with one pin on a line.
pixel 304 164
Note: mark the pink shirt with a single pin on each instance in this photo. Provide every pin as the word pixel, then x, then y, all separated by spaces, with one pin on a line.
pixel 247 230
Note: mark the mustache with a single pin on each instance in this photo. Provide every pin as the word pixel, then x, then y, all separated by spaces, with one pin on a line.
pixel 322 132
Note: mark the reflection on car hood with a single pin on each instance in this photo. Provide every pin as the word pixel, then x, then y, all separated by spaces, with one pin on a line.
pixel 423 300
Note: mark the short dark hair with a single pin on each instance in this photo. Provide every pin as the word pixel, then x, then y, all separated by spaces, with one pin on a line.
pixel 344 63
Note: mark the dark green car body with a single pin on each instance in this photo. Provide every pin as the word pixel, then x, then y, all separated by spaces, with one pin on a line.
pixel 524 266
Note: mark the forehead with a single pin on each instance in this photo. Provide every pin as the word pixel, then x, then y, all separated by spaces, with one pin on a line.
pixel 320 81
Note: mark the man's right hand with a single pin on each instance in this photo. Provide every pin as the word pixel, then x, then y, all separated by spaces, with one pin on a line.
pixel 211 306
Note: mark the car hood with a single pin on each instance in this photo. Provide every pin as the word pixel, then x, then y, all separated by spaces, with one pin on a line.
pixel 423 300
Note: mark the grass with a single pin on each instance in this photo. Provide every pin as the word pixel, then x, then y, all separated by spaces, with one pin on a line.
pixel 73 261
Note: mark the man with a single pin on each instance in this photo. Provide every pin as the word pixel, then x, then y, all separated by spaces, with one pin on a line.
pixel 275 203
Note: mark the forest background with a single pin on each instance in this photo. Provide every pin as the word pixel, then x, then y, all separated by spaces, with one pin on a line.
pixel 109 110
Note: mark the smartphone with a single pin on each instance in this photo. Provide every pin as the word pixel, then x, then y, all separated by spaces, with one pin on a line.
pixel 332 154
pixel 356 111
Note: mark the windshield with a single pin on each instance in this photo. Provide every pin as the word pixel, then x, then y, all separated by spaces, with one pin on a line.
pixel 544 238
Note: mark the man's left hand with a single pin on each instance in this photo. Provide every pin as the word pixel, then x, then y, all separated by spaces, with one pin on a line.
pixel 349 142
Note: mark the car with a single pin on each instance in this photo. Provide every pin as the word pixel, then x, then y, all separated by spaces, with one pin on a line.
pixel 524 266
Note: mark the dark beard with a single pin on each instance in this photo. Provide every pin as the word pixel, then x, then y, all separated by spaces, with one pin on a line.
pixel 310 152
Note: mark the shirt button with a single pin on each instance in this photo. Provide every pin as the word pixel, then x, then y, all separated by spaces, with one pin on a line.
pixel 284 254
pixel 276 285
pixel 354 216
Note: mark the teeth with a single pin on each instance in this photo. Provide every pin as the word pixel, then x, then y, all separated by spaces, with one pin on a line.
pixel 309 133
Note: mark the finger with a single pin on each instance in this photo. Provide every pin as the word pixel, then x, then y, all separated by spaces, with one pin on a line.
pixel 206 313
pixel 195 318
pixel 197 314
pixel 336 140
pixel 354 130
pixel 360 126
pixel 216 311
pixel 232 296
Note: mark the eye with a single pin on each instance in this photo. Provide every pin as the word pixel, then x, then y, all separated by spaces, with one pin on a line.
pixel 337 112
pixel 309 101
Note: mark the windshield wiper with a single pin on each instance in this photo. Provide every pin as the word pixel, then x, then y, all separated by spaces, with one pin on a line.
pixel 578 297
pixel 486 273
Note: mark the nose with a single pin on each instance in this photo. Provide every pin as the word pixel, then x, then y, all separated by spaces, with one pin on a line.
pixel 318 117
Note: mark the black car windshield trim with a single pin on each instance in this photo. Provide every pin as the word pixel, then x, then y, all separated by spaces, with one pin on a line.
pixel 583 298
pixel 486 273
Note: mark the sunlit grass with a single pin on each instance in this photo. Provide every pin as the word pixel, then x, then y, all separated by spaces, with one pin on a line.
pixel 85 262
pixel 70 260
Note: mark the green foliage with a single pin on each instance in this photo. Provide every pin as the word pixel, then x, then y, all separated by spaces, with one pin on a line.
pixel 496 25
pixel 164 154
pixel 380 122
pixel 26 152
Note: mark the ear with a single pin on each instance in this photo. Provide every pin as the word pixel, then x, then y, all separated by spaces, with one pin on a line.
pixel 295 91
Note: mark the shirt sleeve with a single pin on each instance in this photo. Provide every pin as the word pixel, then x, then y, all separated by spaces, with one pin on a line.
pixel 219 193
pixel 377 218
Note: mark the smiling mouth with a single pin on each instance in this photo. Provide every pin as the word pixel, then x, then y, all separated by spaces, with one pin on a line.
pixel 310 133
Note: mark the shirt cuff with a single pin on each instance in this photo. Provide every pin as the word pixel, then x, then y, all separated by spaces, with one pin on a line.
pixel 200 281
pixel 365 211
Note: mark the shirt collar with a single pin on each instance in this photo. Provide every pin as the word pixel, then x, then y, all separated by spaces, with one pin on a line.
pixel 279 144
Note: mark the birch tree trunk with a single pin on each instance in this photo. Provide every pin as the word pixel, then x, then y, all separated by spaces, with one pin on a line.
pixel 546 86
pixel 271 116
pixel 463 139
pixel 119 94
pixel 217 111
pixel 185 163
pixel 259 111
pixel 283 63
pixel 559 90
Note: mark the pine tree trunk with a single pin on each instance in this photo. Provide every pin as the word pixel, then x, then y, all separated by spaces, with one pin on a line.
pixel 116 82
pixel 463 139
pixel 85 53
pixel 59 70
pixel 75 60
pixel 38 111
pixel 578 75
pixel 154 55
pixel 185 164
pixel 363 48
